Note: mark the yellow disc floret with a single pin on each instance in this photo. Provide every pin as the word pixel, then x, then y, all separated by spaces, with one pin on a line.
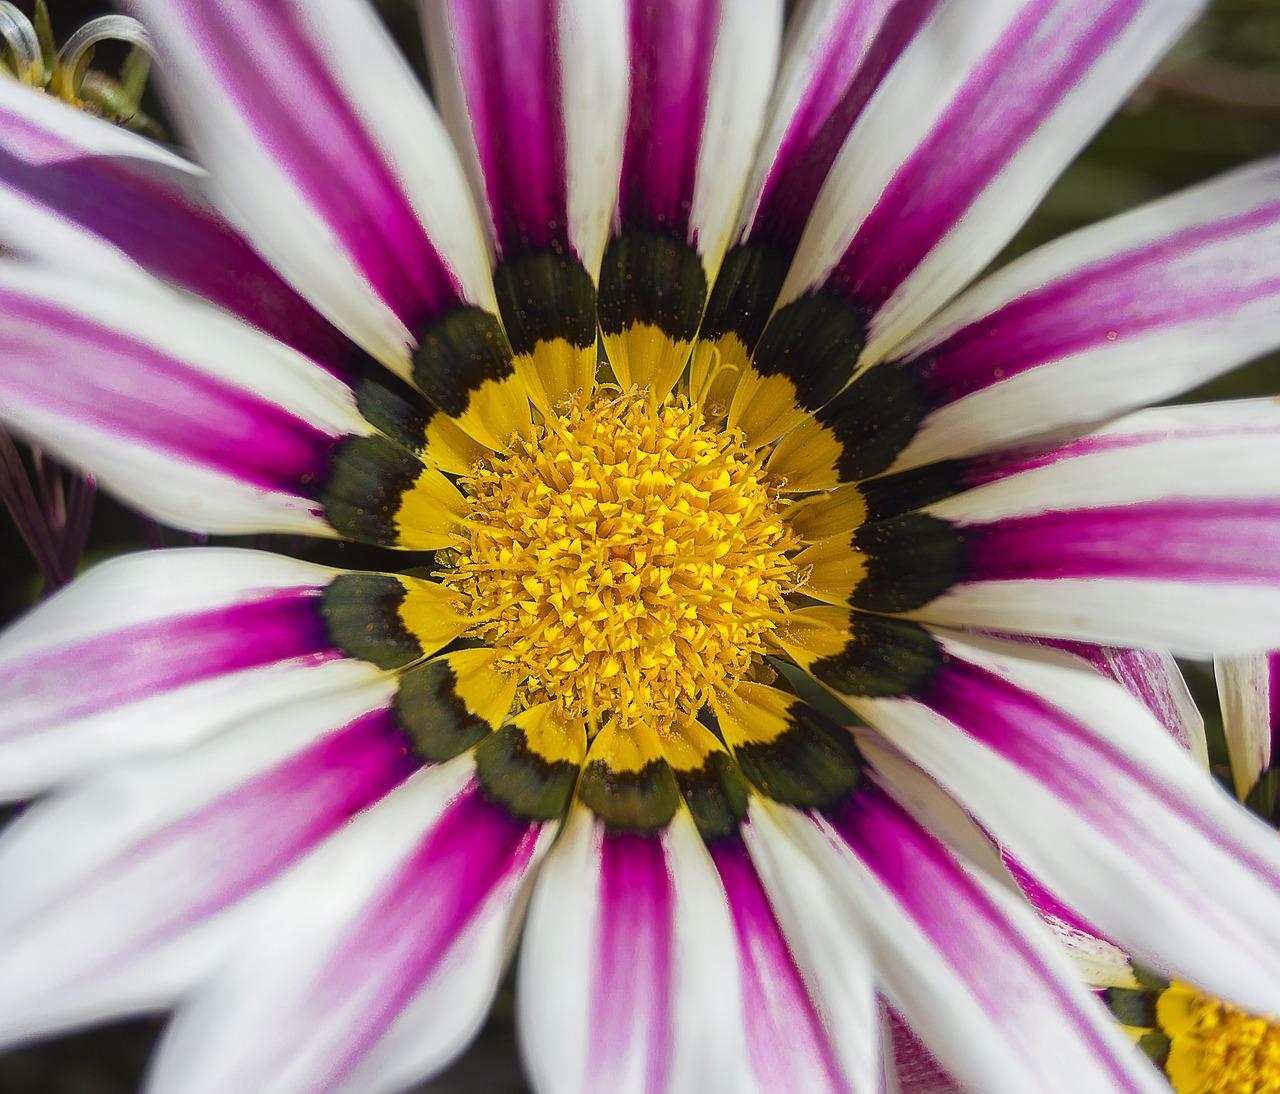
pixel 1216 1048
pixel 624 561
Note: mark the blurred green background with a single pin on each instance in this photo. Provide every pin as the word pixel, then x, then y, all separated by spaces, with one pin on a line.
pixel 1214 104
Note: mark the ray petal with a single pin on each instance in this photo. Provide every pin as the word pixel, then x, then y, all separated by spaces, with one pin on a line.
pixel 347 185
pixel 123 889
pixel 628 975
pixel 968 966
pixel 77 190
pixel 988 103
pixel 374 962
pixel 1094 798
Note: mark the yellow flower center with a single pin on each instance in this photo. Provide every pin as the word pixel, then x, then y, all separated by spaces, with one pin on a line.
pixel 624 561
pixel 1216 1048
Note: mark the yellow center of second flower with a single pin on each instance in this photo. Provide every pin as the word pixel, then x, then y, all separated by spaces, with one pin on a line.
pixel 1216 1048
pixel 624 561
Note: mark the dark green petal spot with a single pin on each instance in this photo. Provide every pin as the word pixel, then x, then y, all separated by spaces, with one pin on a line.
pixel 874 419
pixel 814 342
pixel 812 764
pixel 362 613
pixel 744 292
pixel 652 279
pixel 1264 798
pixel 544 296
pixel 394 409
pixel 434 716
pixel 910 560
pixel 457 354
pixel 631 801
pixel 1132 1006
pixel 716 795
pixel 523 781
pixel 892 495
pixel 367 478
pixel 883 658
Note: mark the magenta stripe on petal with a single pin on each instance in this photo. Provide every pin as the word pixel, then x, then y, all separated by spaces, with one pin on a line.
pixel 1069 759
pixel 1002 103
pixel 1144 674
pixel 1046 902
pixel 1192 540
pixel 671 51
pixel 132 663
pixel 633 982
pixel 282 86
pixel 159 226
pixel 470 858
pixel 961 921
pixel 509 58
pixel 140 394
pixel 248 836
pixel 789 1048
pixel 1121 297
pixel 855 60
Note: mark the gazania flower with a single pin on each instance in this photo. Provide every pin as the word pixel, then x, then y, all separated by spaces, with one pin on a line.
pixel 654 370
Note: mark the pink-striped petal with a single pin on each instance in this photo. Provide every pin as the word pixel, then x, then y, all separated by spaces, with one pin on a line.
pixel 75 190
pixel 536 95
pixel 1127 312
pixel 835 962
pixel 186 413
pixel 986 106
pixel 628 975
pixel 347 184
pixel 1094 799
pixel 121 891
pixel 374 961
pixel 701 73
pixel 836 54
pixel 154 651
pixel 968 966
pixel 1153 678
pixel 1161 530
pixel 787 1037
pixel 1249 690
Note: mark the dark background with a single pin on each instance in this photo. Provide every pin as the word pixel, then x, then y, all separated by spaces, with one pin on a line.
pixel 1213 105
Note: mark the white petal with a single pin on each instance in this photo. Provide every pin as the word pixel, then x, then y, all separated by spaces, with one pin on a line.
pixel 1123 313
pixel 628 977
pixel 992 99
pixel 347 185
pixel 1247 691
pixel 184 412
pixel 833 956
pixel 154 651
pixel 1095 799
pixel 536 97
pixel 404 916
pixel 967 964
pixel 121 891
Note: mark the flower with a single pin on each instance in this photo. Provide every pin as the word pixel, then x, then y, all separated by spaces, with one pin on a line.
pixel 605 708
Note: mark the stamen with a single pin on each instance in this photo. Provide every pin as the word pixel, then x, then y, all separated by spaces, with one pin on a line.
pixel 625 561
pixel 1217 1048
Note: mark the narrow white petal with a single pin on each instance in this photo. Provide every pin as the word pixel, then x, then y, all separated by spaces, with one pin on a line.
pixel 347 185
pixel 1247 691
